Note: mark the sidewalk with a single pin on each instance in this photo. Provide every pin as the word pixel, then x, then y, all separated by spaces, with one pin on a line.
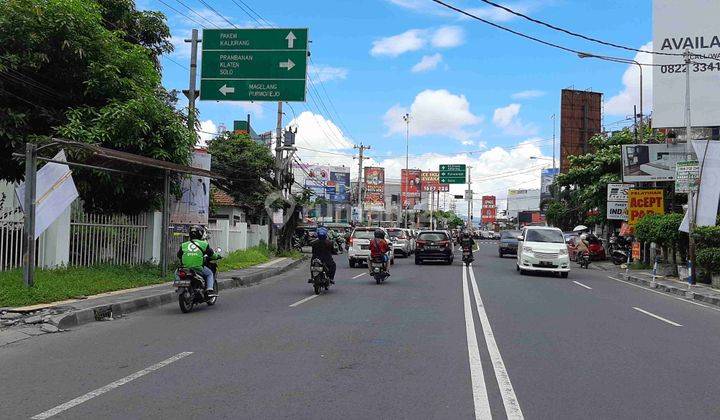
pixel 20 323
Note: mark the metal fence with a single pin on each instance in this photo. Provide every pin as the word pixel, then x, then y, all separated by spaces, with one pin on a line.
pixel 11 241
pixel 102 239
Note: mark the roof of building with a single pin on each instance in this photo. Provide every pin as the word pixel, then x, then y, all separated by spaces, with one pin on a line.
pixel 221 198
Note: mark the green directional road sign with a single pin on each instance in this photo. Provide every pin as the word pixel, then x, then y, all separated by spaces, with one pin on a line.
pixel 254 64
pixel 452 174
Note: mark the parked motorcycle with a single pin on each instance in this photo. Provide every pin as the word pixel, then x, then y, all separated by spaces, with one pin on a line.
pixel 319 276
pixel 192 288
pixel 596 248
pixel 467 256
pixel 378 270
pixel 620 249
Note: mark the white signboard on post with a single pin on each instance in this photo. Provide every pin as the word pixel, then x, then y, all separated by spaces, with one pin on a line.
pixel 194 205
pixel 54 192
pixel 679 26
pixel 618 192
pixel 617 210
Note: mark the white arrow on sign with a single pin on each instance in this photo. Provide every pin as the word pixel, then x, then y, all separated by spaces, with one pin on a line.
pixel 291 39
pixel 287 64
pixel 224 89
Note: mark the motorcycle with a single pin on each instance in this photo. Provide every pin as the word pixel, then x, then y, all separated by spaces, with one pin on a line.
pixel 619 249
pixel 378 270
pixel 584 260
pixel 192 288
pixel 340 244
pixel 319 276
pixel 467 256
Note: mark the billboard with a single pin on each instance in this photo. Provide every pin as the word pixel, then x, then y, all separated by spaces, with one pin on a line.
pixel 617 210
pixel 410 187
pixel 338 187
pixel 643 202
pixel 194 204
pixel 679 26
pixel 651 162
pixel 488 211
pixel 522 199
pixel 580 119
pixel 547 177
pixel 431 182
pixel 374 188
pixel 618 192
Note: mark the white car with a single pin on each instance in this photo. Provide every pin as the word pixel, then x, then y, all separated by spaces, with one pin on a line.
pixel 359 245
pixel 542 249
pixel 401 241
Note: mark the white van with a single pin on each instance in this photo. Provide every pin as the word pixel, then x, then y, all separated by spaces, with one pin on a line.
pixel 542 248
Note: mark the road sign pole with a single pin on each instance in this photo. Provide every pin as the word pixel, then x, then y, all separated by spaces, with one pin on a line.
pixel 192 89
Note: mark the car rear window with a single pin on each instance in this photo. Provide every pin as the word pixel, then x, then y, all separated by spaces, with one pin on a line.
pixel 509 235
pixel 363 234
pixel 544 235
pixel 433 236
pixel 396 234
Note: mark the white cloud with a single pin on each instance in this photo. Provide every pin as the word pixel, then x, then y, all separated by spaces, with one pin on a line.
pixel 528 94
pixel 448 37
pixel 467 143
pixel 327 141
pixel 181 48
pixel 417 39
pixel 434 112
pixel 393 46
pixel 622 103
pixel 508 119
pixel 254 108
pixel 208 131
pixel 427 63
pixel 322 73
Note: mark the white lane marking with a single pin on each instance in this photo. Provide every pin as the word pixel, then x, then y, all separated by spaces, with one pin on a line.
pixel 480 396
pixel 664 294
pixel 109 387
pixel 512 406
pixel 301 301
pixel 359 275
pixel 657 317
pixel 580 284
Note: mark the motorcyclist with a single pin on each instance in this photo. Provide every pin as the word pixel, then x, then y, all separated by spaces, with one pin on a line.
pixel 582 246
pixel 193 253
pixel 322 249
pixel 379 249
pixel 467 242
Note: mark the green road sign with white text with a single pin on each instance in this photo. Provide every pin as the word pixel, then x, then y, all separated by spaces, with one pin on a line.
pixel 453 174
pixel 254 64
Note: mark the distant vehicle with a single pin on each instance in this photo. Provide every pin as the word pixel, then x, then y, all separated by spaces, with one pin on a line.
pixel 434 245
pixel 359 245
pixel 508 243
pixel 543 249
pixel 401 242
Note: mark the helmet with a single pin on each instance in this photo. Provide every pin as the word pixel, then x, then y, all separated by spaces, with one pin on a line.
pixel 380 234
pixel 583 236
pixel 197 232
pixel 322 233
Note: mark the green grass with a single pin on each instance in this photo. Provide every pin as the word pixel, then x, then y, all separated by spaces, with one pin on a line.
pixel 293 253
pixel 68 283
pixel 245 258
pixel 637 265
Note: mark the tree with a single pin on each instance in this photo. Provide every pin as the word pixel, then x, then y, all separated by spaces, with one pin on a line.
pixel 88 71
pixel 582 190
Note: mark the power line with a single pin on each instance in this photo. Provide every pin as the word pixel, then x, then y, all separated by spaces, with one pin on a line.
pixel 212 9
pixel 180 13
pixel 575 34
pixel 196 13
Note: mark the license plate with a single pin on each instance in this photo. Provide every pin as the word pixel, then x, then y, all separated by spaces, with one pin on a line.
pixel 181 283
pixel 364 246
pixel 546 263
pixel 432 247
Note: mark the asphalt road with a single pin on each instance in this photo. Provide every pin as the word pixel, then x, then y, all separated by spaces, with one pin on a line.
pixel 425 344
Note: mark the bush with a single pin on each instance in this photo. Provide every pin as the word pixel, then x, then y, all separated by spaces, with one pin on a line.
pixel 709 259
pixel 707 236
pixel 659 228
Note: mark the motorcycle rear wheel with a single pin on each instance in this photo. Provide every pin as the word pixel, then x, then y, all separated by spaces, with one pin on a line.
pixel 186 305
pixel 316 287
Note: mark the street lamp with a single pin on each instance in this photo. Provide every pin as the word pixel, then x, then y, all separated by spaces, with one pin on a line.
pixel 623 61
pixel 406 118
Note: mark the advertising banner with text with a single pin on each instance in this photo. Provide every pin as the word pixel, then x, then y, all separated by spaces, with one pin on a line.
pixel 644 202
pixel 410 182
pixel 374 188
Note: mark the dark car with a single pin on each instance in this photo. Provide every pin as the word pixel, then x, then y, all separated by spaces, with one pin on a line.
pixel 434 245
pixel 508 242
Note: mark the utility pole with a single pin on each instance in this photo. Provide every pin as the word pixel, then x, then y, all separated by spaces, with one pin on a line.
pixel 691 192
pixel 360 158
pixel 553 118
pixel 406 117
pixel 29 210
pixel 192 93
pixel 469 195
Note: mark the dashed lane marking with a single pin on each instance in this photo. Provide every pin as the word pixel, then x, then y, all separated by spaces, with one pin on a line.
pixel 359 275
pixel 301 301
pixel 657 317
pixel 582 285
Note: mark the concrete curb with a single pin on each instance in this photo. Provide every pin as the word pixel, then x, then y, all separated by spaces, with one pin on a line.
pixel 674 290
pixel 104 311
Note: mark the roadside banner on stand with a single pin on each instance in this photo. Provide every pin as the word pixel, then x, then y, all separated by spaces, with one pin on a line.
pixel 193 207
pixel 644 202
pixel 687 174
pixel 374 188
pixel 410 182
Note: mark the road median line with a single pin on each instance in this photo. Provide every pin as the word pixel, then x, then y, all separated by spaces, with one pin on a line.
pixel 582 285
pixel 658 317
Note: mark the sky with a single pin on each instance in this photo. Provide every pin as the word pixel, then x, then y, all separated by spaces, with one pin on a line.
pixel 476 94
